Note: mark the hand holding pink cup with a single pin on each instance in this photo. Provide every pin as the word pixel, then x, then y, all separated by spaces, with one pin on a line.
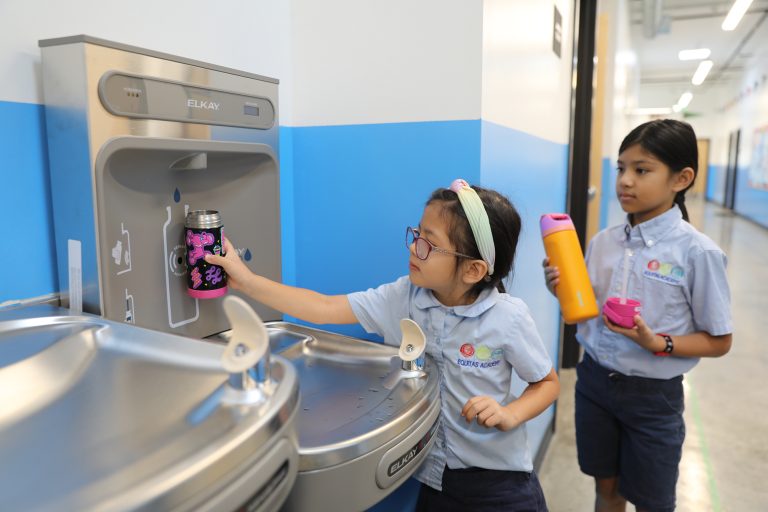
pixel 621 314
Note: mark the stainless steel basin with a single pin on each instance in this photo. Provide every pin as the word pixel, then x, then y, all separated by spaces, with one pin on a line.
pixel 359 435
pixel 100 415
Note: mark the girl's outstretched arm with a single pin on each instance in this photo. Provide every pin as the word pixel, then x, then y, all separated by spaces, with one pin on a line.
pixel 307 305
pixel 695 344
pixel 532 402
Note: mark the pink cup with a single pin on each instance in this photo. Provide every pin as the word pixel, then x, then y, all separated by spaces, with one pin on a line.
pixel 621 314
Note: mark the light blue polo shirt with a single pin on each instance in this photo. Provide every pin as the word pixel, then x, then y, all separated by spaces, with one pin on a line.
pixel 476 347
pixel 677 274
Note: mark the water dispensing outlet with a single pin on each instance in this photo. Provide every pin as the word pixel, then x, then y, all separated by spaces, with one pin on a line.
pixel 246 356
pixel 410 355
pixel 412 345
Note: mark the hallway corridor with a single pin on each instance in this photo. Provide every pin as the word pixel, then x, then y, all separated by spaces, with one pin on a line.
pixel 725 455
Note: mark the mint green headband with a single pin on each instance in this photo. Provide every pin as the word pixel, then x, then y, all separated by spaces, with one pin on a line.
pixel 478 220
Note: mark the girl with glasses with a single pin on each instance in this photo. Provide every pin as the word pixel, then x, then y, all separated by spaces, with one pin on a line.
pixel 478 335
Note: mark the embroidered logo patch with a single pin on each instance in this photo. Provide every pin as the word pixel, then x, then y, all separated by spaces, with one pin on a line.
pixel 478 356
pixel 664 272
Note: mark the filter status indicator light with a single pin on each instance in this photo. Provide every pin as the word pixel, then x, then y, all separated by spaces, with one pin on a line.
pixel 250 109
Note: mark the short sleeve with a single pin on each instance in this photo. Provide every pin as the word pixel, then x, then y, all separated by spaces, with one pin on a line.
pixel 710 293
pixel 525 351
pixel 376 308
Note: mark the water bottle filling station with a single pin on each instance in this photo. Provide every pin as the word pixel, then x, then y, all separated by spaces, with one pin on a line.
pixel 138 139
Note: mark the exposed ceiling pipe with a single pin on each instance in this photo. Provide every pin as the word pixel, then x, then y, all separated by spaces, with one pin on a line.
pixel 652 19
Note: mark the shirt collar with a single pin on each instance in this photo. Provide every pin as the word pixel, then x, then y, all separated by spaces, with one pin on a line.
pixel 651 231
pixel 425 299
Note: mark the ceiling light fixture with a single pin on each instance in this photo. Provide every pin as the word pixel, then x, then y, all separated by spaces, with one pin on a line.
pixel 701 72
pixel 734 16
pixel 697 54
pixel 683 102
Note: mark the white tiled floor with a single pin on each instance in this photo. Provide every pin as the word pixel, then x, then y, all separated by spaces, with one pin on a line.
pixel 725 455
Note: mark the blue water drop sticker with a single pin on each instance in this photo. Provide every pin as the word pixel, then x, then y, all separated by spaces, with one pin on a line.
pixel 247 255
pixel 176 195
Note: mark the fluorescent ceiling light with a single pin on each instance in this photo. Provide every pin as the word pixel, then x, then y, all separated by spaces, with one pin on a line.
pixel 734 16
pixel 683 102
pixel 701 72
pixel 697 54
pixel 651 111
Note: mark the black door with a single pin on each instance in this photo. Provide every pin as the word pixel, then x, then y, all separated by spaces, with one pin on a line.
pixel 729 198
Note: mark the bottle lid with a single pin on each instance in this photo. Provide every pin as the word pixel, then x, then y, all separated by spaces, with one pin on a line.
pixel 554 222
pixel 203 219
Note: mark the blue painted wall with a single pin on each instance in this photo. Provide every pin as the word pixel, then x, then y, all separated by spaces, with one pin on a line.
pixel 533 173
pixel 28 230
pixel 716 183
pixel 610 208
pixel 356 188
pixel 606 188
pixel 751 202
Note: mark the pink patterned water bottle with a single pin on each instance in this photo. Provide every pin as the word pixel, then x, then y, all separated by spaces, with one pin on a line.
pixel 204 234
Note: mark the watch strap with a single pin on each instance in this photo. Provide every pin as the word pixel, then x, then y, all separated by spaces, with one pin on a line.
pixel 669 348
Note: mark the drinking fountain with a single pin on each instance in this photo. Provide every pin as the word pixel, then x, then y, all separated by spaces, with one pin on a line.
pixel 368 415
pixel 103 415
pixel 137 139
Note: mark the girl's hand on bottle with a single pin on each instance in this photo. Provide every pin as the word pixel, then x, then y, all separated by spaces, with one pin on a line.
pixel 237 272
pixel 488 413
pixel 640 334
pixel 551 276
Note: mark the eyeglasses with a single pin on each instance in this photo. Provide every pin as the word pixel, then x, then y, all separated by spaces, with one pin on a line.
pixel 423 246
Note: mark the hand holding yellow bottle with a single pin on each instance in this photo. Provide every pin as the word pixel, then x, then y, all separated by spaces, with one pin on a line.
pixel 573 288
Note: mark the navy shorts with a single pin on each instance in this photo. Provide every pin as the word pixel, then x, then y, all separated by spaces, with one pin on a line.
pixel 483 490
pixel 631 428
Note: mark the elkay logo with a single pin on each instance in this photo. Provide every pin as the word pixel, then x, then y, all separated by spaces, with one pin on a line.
pixel 205 105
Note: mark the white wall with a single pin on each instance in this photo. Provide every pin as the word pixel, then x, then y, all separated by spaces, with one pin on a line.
pixel 748 113
pixel 355 62
pixel 625 83
pixel 525 85
pixel 381 62
pixel 245 35
pixel 620 96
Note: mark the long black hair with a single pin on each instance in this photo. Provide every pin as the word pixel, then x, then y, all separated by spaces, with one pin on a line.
pixel 505 229
pixel 672 142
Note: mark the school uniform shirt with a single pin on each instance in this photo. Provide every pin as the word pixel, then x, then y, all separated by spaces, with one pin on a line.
pixel 677 274
pixel 475 347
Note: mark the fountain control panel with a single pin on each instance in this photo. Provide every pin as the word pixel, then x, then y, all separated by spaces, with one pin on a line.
pixel 136 140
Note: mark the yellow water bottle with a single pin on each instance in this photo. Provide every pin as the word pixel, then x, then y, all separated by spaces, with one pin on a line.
pixel 574 291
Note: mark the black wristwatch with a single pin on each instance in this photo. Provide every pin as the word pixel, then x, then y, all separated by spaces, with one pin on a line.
pixel 669 348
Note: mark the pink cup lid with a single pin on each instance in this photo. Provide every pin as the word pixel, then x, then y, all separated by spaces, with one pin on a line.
pixel 621 314
pixel 554 222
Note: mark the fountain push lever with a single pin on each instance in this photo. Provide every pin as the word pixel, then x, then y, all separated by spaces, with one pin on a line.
pixel 246 356
pixel 412 346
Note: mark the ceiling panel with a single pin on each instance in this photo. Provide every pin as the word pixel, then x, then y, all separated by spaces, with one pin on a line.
pixel 661 28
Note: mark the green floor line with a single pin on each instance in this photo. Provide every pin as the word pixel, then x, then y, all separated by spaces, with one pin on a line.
pixel 714 496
